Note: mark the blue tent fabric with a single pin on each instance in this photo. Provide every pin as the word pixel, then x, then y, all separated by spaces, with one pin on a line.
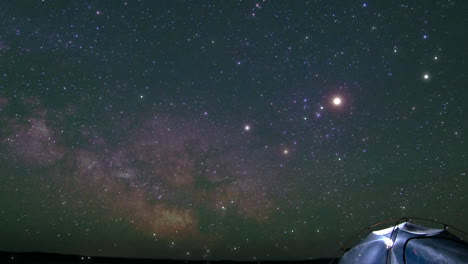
pixel 408 243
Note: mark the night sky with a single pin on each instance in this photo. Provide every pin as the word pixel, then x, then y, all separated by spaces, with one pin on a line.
pixel 228 129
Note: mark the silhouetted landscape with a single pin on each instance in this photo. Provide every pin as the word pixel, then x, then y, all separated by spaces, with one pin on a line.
pixel 37 257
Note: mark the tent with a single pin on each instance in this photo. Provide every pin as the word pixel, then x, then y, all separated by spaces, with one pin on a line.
pixel 408 243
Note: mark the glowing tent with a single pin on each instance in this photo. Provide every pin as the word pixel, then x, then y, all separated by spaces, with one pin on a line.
pixel 408 243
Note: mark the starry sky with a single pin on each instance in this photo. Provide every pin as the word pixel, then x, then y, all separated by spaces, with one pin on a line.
pixel 227 129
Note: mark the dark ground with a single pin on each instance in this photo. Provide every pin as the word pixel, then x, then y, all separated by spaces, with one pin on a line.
pixel 34 257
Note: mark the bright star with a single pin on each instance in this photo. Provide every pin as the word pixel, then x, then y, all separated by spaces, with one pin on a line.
pixel 247 128
pixel 337 101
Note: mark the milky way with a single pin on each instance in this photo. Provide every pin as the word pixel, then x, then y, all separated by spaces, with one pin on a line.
pixel 163 173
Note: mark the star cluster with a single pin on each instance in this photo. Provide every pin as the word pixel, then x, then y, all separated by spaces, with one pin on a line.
pixel 227 130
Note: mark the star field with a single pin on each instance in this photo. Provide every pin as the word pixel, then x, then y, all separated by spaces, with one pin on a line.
pixel 227 129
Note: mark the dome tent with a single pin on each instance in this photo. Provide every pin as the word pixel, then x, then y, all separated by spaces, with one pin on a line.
pixel 408 243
